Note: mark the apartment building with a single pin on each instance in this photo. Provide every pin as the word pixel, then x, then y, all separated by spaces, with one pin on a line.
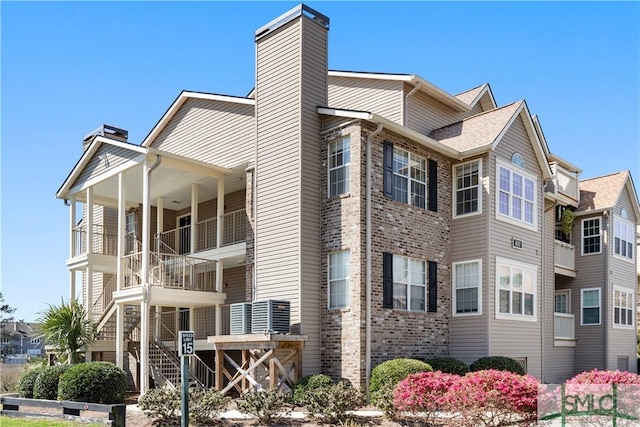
pixel 398 220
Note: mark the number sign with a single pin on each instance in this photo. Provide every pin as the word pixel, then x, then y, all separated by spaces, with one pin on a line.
pixel 186 343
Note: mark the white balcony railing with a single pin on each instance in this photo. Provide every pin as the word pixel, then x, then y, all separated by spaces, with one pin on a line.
pixel 103 241
pixel 564 326
pixel 565 255
pixel 566 182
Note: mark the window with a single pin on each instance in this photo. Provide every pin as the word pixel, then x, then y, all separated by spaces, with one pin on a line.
pixel 409 178
pixel 467 188
pixel 409 283
pixel 339 166
pixel 562 302
pixel 591 236
pixel 623 235
pixel 622 307
pixel 467 287
pixel 516 196
pixel 339 272
pixel 590 306
pixel 517 289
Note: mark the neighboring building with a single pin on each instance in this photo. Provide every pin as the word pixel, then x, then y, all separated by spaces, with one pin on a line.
pixel 21 341
pixel 397 219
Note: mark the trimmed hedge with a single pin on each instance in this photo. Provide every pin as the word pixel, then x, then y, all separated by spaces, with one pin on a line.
pixel 93 382
pixel 499 363
pixel 389 373
pixel 307 385
pixel 46 385
pixel 27 381
pixel 448 365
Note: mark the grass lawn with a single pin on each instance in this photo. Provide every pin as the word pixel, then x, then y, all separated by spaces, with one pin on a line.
pixel 29 422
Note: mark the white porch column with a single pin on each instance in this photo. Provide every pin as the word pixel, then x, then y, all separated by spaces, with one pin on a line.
pixel 220 213
pixel 89 294
pixel 156 322
pixel 122 218
pixel 219 288
pixel 72 225
pixel 72 285
pixel 90 220
pixel 192 319
pixel 160 216
pixel 194 217
pixel 144 304
pixel 120 336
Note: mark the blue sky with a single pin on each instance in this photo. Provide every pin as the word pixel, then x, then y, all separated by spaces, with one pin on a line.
pixel 66 68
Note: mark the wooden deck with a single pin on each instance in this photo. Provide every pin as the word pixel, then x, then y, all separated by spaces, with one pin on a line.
pixel 268 360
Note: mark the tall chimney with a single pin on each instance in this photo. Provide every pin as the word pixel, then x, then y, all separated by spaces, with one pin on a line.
pixel 291 82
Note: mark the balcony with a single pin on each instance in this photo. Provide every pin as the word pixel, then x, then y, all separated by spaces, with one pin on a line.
pixel 234 230
pixel 102 241
pixel 566 186
pixel 565 258
pixel 564 329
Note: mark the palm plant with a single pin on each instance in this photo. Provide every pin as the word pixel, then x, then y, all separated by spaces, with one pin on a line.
pixel 68 329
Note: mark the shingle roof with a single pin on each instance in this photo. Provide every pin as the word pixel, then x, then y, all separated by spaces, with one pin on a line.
pixel 480 130
pixel 470 95
pixel 601 192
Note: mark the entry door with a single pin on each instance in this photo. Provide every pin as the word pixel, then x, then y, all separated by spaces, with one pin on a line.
pixel 184 234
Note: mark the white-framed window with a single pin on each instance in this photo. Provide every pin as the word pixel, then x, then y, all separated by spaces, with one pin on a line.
pixel 516 285
pixel 409 283
pixel 467 188
pixel 517 199
pixel 339 275
pixel 467 287
pixel 623 238
pixel 409 178
pixel 590 306
pixel 623 308
pixel 562 302
pixel 591 236
pixel 339 166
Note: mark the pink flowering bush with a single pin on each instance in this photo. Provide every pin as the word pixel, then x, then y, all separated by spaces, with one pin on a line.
pixel 605 377
pixel 481 398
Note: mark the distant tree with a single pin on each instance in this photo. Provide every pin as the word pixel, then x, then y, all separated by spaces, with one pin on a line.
pixel 6 334
pixel 68 330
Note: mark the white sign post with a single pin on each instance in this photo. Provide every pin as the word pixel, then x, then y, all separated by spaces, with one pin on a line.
pixel 186 347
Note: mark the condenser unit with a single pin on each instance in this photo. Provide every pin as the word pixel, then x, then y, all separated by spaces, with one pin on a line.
pixel 240 316
pixel 273 316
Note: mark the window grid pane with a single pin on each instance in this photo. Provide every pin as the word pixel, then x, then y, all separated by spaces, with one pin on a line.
pixel 409 283
pixel 517 290
pixel 339 274
pixel 339 166
pixel 467 284
pixel 409 178
pixel 516 196
pixel 590 306
pixel 467 184
pixel 591 236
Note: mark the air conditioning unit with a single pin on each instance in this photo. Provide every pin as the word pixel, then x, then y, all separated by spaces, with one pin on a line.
pixel 240 316
pixel 273 316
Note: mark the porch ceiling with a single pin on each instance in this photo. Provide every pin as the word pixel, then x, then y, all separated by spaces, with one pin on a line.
pixel 168 181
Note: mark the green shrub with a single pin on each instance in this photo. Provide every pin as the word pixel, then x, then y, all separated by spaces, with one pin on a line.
pixel 27 381
pixel 330 403
pixel 161 404
pixel 384 400
pixel 307 384
pixel 205 405
pixel 392 372
pixel 499 363
pixel 265 406
pixel 93 382
pixel 448 365
pixel 46 385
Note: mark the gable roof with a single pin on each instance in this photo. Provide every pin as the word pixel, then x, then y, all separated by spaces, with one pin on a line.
pixel 602 193
pixel 180 100
pixel 472 96
pixel 484 131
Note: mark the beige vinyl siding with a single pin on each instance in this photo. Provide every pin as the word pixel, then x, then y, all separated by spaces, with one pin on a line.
pixel 382 97
pixel 234 284
pixel 216 132
pixel 116 156
pixel 424 113
pixel 515 338
pixel 469 334
pixel 558 361
pixel 289 89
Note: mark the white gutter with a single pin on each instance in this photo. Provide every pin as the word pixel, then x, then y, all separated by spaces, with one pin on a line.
pixel 406 99
pixel 369 169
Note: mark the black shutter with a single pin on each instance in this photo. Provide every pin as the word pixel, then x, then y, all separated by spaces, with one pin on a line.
pixel 433 186
pixel 433 287
pixel 388 169
pixel 387 280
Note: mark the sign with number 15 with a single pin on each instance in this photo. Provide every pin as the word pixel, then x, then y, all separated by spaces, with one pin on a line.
pixel 186 343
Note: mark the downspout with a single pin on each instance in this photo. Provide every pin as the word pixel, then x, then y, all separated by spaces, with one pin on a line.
pixel 604 316
pixel 368 257
pixel 406 98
